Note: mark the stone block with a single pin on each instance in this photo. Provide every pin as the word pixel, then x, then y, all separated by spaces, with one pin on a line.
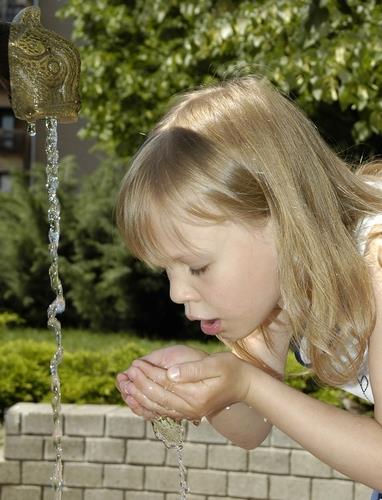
pixel 129 477
pixel 161 479
pixel 271 460
pixel 38 419
pixel 83 475
pixel 86 420
pixel 267 440
pixel 247 485
pixel 105 450
pixel 305 464
pixel 122 422
pixel 149 431
pixel 288 487
pixel 225 498
pixel 144 495
pixel 38 473
pixel 193 455
pixel 68 494
pixel 281 440
pixel 73 449
pixel 23 447
pixel 204 433
pixel 20 493
pixel 10 472
pixel 12 420
pixel 175 496
pixel 362 492
pixel 322 489
pixel 226 457
pixel 145 452
pixel 103 495
pixel 207 482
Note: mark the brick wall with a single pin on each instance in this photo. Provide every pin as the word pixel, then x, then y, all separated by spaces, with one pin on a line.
pixel 110 454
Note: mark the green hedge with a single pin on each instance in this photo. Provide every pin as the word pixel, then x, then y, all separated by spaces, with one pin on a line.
pixel 89 376
pixel 86 377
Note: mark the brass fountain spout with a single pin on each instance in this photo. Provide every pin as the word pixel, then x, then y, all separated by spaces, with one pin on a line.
pixel 39 69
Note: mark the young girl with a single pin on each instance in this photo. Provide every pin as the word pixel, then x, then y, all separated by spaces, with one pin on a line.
pixel 271 242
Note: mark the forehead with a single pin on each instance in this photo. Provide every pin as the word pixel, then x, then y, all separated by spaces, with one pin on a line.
pixel 181 237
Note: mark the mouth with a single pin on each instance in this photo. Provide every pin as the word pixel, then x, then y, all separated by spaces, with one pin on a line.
pixel 211 326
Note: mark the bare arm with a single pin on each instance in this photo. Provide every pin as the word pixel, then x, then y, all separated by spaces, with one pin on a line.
pixel 349 443
pixel 254 427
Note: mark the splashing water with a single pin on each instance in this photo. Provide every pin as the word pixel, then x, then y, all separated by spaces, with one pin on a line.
pixel 171 433
pixel 58 305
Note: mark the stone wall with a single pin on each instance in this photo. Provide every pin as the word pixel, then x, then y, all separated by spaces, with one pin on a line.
pixel 110 454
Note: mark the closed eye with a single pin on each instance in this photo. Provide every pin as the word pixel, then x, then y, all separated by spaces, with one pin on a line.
pixel 198 272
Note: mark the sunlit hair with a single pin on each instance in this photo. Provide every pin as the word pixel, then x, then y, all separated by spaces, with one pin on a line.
pixel 241 151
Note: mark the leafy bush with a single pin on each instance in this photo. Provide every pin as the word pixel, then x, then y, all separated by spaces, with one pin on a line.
pixel 86 377
pixel 89 376
pixel 137 53
pixel 105 288
pixel 24 257
pixel 8 319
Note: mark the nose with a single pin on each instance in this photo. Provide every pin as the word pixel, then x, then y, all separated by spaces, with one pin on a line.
pixel 181 291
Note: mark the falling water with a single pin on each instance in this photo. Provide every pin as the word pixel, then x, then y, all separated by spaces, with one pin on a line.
pixel 171 433
pixel 58 305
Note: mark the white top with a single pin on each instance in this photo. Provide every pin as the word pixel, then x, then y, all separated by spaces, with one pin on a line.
pixel 362 388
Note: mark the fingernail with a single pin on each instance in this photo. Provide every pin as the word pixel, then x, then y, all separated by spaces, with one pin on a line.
pixel 125 387
pixel 173 373
pixel 132 373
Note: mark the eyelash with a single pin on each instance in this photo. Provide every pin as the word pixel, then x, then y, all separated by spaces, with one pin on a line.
pixel 198 272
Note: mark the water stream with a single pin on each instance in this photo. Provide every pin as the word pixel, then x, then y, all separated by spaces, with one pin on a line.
pixel 58 304
pixel 171 432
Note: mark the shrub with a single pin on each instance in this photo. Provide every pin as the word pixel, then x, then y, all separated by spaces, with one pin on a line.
pixel 8 319
pixel 86 377
pixel 137 53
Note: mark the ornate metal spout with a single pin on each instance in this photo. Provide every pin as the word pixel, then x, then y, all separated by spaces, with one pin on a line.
pixel 41 70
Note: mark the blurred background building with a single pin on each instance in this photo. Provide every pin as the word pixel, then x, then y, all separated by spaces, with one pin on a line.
pixel 17 149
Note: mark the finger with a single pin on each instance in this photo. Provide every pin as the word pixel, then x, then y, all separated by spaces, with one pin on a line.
pixel 121 379
pixel 154 373
pixel 168 356
pixel 138 409
pixel 195 371
pixel 158 399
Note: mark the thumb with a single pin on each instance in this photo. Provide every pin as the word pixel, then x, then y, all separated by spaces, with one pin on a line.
pixel 190 372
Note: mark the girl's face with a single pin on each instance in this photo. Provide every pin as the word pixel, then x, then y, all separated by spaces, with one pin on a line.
pixel 226 277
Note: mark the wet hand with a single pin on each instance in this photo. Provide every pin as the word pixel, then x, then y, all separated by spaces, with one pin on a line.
pixel 211 384
pixel 144 385
pixel 202 387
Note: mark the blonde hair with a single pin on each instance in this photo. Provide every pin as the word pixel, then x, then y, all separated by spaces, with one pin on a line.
pixel 241 151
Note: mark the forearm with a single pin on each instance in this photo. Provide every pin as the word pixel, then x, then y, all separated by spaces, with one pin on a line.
pixel 351 444
pixel 241 424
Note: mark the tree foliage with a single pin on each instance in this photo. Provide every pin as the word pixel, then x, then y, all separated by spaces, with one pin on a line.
pixel 326 54
pixel 104 286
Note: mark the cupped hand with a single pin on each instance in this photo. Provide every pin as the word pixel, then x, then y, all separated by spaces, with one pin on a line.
pixel 204 385
pixel 145 382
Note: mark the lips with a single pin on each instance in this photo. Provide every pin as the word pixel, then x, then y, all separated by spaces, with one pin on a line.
pixel 210 326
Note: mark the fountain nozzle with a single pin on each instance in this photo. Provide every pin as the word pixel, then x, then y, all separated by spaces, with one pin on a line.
pixel 40 70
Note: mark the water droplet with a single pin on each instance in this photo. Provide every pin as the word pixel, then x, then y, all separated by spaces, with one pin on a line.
pixel 31 129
